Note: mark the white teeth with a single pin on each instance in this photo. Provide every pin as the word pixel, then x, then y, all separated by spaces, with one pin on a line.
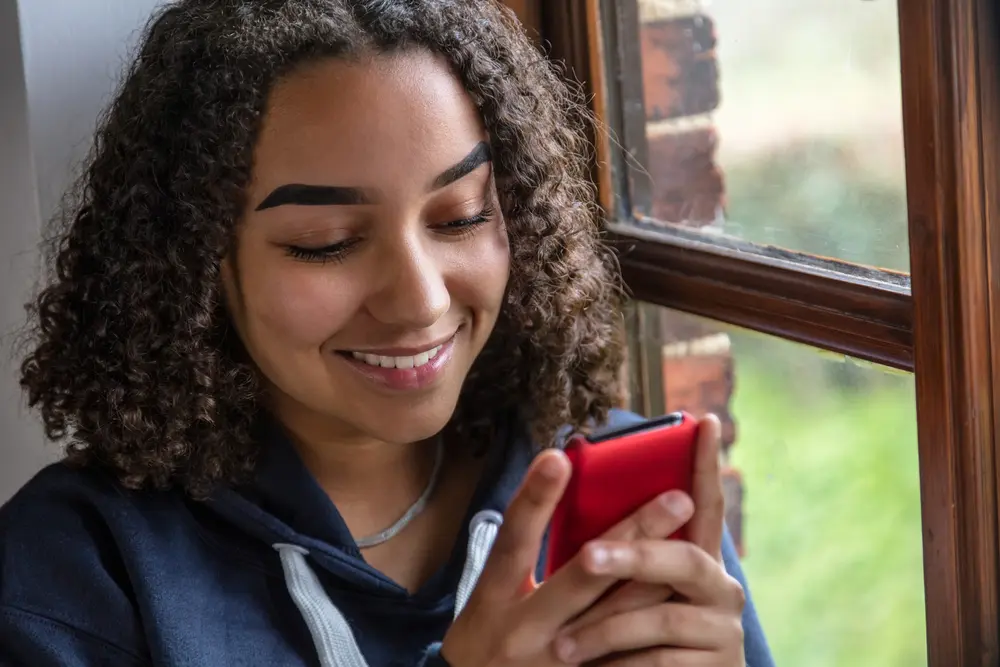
pixel 397 362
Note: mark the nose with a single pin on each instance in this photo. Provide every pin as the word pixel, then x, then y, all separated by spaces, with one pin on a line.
pixel 411 293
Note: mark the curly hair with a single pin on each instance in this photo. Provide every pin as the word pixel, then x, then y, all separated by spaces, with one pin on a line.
pixel 131 358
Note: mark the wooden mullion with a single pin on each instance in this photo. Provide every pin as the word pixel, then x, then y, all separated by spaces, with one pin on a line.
pixel 989 83
pixel 529 12
pixel 832 305
pixel 599 104
pixel 626 105
pixel 952 130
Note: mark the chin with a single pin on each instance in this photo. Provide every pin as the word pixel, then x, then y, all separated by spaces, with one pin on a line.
pixel 403 429
pixel 404 419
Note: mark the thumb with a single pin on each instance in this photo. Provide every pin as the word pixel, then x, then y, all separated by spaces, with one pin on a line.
pixel 708 522
pixel 510 568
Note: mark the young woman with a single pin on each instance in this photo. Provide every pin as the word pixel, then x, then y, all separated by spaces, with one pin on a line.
pixel 331 282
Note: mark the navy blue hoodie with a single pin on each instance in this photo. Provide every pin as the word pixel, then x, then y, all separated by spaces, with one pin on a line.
pixel 93 574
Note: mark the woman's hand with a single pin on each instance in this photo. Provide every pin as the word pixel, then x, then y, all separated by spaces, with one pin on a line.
pixel 681 607
pixel 510 620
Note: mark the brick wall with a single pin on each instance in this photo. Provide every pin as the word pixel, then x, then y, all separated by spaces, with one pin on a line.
pixel 681 88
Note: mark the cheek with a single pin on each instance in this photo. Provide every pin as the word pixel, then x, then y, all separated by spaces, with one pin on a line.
pixel 485 269
pixel 299 305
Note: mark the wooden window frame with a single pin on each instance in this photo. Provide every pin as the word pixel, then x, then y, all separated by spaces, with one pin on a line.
pixel 943 324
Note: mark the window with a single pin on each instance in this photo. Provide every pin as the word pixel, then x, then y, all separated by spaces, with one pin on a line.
pixel 822 485
pixel 834 241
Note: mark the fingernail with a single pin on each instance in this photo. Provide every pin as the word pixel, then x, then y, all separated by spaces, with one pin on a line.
pixel 677 503
pixel 549 467
pixel 598 558
pixel 565 648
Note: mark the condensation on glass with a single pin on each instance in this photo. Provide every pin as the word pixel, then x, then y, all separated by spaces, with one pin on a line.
pixel 822 485
pixel 778 122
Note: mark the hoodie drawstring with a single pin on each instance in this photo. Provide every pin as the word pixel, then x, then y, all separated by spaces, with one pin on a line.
pixel 483 531
pixel 331 633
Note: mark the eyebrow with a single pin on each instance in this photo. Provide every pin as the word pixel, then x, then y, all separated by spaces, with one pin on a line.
pixel 479 156
pixel 298 194
pixel 314 195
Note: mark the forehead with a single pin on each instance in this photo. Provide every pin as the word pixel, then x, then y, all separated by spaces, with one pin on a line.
pixel 399 116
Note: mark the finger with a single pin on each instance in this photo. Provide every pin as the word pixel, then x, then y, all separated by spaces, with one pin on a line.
pixel 690 570
pixel 633 595
pixel 672 624
pixel 708 522
pixel 516 550
pixel 636 595
pixel 578 584
pixel 676 657
pixel 668 511
pixel 705 527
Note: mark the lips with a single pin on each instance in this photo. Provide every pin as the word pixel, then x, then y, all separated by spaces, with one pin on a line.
pixel 387 369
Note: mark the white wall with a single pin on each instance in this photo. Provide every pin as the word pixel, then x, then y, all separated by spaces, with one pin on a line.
pixel 59 62
pixel 20 438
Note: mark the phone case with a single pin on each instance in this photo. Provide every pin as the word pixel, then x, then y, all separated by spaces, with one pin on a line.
pixel 616 474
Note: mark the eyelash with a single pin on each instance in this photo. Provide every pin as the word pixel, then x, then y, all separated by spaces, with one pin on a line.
pixel 467 226
pixel 337 252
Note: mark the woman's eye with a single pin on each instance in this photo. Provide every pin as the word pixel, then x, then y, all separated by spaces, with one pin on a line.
pixel 467 225
pixel 335 252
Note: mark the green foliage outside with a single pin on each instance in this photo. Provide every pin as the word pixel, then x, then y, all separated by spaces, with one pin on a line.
pixel 832 512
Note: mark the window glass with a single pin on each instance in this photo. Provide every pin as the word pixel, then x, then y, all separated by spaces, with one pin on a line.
pixel 822 484
pixel 778 122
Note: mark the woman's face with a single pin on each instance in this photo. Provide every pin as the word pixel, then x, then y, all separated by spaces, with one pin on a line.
pixel 372 259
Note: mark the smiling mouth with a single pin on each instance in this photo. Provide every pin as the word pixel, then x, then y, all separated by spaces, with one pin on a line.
pixel 397 372
pixel 381 361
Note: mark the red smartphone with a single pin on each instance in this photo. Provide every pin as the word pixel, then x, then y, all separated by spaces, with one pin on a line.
pixel 615 474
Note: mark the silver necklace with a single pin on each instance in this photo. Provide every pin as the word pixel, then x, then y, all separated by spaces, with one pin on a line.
pixel 412 513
